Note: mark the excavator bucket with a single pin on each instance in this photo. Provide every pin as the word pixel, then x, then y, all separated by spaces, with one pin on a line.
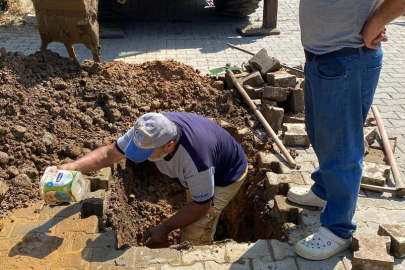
pixel 69 22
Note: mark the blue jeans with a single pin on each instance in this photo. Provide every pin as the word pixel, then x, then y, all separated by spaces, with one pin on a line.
pixel 337 100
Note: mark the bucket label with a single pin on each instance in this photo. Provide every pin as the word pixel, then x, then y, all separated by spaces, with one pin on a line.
pixel 58 186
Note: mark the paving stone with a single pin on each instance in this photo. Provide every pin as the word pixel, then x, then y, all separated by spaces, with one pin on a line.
pixel 195 266
pixel 397 234
pixel 370 214
pixel 275 162
pixel 198 254
pixel 371 252
pixel 370 134
pixel 282 79
pixel 24 227
pixel 365 203
pixel 93 204
pixel 65 210
pixel 285 210
pixel 79 260
pixel 334 263
pixel 145 256
pixel 8 227
pixel 275 93
pixel 398 203
pixel 308 217
pixel 241 264
pixel 253 79
pixel 295 135
pixel 378 144
pixel 293 119
pixel 285 264
pixel 107 240
pixel 269 102
pixel 265 64
pixel 295 233
pixel 392 216
pixel 258 250
pixel 296 101
pixel 373 227
pixel 253 92
pixel 274 116
pixel 278 183
pixel 87 225
pixel 101 180
pixel 375 174
pixel 281 250
pixel 3 190
pixel 306 176
pixel 363 228
pixel 375 156
pixel 103 259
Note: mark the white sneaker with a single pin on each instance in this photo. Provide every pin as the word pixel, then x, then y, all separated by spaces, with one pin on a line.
pixel 304 196
pixel 321 245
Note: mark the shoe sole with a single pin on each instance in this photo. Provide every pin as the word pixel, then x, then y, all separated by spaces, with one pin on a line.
pixel 297 201
pixel 320 257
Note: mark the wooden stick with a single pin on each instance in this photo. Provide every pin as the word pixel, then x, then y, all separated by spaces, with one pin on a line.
pixel 399 185
pixel 262 120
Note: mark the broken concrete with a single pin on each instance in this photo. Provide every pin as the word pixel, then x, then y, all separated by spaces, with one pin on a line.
pixel 274 116
pixel 278 94
pixel 281 79
pixel 295 135
pixel 265 64
pixel 375 174
pixel 371 252
pixel 397 234
pixel 253 79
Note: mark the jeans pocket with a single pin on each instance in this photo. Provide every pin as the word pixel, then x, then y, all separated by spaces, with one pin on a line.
pixel 330 68
pixel 369 85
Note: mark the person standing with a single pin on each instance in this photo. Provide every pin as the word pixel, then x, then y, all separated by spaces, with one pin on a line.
pixel 342 44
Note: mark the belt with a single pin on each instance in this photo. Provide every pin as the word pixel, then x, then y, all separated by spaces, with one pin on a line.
pixel 339 53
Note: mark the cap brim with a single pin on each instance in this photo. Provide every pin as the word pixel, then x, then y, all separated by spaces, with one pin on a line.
pixel 137 154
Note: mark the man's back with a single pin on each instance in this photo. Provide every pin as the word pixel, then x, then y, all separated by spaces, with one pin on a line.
pixel 328 26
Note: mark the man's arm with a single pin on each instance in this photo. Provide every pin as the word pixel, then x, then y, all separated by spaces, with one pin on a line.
pixel 188 214
pixel 95 160
pixel 374 30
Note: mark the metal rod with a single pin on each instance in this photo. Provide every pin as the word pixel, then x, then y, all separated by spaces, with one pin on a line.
pixel 248 52
pixel 262 120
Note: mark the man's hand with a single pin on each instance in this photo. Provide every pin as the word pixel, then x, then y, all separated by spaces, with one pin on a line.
pixel 67 166
pixel 156 237
pixel 373 34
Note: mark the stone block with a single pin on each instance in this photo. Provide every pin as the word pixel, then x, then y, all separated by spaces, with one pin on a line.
pixel 87 225
pixel 259 250
pixel 397 234
pixel 253 92
pixel 204 253
pixel 370 134
pixel 333 263
pixel 281 250
pixel 294 119
pixel 375 156
pixel 371 252
pixel 257 102
pixel 228 81
pixel 284 264
pixel 253 79
pixel 295 135
pixel 146 256
pixel 300 84
pixel 3 190
pixel 113 259
pixel 296 101
pixel 66 211
pixel 274 162
pixel 282 79
pixel 275 93
pixel 375 174
pixel 107 240
pixel 265 64
pixel 269 102
pixel 247 67
pixel 279 183
pixel 219 85
pixel 93 204
pixel 101 180
pixel 80 260
pixel 285 210
pixel 274 116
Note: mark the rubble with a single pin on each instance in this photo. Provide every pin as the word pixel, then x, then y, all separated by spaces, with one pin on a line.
pixel 265 64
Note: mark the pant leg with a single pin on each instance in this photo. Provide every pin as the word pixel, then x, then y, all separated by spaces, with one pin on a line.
pixel 202 231
pixel 340 105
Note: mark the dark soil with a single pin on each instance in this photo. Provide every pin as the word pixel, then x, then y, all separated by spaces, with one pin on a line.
pixel 53 110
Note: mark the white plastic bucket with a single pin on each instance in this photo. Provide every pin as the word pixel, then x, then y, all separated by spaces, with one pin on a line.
pixel 58 186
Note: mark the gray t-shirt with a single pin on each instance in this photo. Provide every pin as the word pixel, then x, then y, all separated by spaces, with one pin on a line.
pixel 329 25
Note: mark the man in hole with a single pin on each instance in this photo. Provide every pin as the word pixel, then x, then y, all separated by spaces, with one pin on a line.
pixel 203 156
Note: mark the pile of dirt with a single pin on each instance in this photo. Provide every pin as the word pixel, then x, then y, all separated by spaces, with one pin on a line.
pixel 53 110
